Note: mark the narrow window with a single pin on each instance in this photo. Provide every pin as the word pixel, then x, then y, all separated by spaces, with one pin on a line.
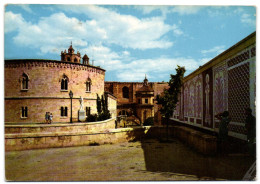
pixel 125 91
pixel 64 83
pixel 146 100
pixel 88 85
pixel 88 111
pixel 139 101
pixel 24 84
pixel 63 111
pixel 24 112
pixel 66 111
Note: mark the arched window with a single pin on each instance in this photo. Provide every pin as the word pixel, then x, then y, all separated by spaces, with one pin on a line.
pixel 75 60
pixel 125 91
pixel 24 82
pixel 88 85
pixel 68 59
pixel 64 83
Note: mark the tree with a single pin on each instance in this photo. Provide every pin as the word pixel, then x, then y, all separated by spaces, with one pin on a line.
pixel 169 99
pixel 99 108
pixel 102 108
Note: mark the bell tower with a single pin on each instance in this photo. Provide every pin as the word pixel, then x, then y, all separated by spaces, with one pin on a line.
pixel 85 59
pixel 70 56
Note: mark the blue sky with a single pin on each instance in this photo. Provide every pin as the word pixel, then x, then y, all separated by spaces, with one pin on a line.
pixel 127 41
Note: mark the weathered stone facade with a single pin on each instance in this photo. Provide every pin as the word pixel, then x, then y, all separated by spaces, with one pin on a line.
pixel 43 86
pixel 131 102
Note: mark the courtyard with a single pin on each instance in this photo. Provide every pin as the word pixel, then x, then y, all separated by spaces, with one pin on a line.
pixel 144 160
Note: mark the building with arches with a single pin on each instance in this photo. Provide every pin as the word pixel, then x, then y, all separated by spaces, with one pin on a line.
pixel 136 98
pixel 225 83
pixel 34 87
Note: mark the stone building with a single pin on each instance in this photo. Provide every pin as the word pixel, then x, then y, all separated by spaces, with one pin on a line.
pixel 136 98
pixel 34 87
pixel 225 83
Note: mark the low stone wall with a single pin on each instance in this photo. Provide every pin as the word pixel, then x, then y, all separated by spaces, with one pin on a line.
pixel 203 143
pixel 61 127
pixel 27 141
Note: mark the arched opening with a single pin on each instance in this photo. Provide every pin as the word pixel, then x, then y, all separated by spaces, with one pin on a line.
pixel 24 84
pixel 88 85
pixel 64 83
pixel 125 91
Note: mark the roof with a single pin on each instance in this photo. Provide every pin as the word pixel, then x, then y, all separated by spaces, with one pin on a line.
pixel 10 61
pixel 145 89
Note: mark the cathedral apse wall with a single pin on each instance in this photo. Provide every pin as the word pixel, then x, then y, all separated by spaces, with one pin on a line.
pixel 34 87
pixel 44 92
pixel 227 82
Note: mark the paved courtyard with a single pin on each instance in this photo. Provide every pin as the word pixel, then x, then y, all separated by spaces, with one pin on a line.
pixel 133 161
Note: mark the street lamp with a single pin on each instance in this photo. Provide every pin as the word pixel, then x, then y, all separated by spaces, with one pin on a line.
pixel 71 96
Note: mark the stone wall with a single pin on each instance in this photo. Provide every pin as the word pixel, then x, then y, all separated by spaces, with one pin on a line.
pixel 24 137
pixel 112 105
pixel 38 129
pixel 44 92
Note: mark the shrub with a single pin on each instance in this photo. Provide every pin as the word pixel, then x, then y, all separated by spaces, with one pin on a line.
pixel 103 116
pixel 94 144
pixel 92 118
pixel 149 121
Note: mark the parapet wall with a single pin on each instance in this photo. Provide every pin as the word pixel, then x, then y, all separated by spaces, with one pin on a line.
pixel 95 135
pixel 40 129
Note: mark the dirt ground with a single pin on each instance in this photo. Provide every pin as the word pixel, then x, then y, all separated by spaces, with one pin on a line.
pixel 133 161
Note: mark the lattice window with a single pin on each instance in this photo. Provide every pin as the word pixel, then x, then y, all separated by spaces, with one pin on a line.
pixel 238 59
pixel 238 92
pixel 253 52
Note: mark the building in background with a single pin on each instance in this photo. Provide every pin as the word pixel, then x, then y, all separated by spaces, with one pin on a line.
pixel 225 83
pixel 136 98
pixel 34 87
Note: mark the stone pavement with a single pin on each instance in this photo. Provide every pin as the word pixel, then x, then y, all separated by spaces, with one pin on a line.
pixel 133 161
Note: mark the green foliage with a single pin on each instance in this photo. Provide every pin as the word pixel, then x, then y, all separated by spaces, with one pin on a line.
pixel 99 109
pixel 169 99
pixel 102 108
pixel 149 121
pixel 92 118
pixel 94 144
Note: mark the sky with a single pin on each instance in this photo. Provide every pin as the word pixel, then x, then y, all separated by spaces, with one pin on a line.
pixel 128 41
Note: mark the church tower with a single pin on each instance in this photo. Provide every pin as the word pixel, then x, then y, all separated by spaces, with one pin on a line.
pixel 70 56
pixel 85 59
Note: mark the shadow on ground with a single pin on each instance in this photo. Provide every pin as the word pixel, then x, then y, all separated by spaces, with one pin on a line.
pixel 175 157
